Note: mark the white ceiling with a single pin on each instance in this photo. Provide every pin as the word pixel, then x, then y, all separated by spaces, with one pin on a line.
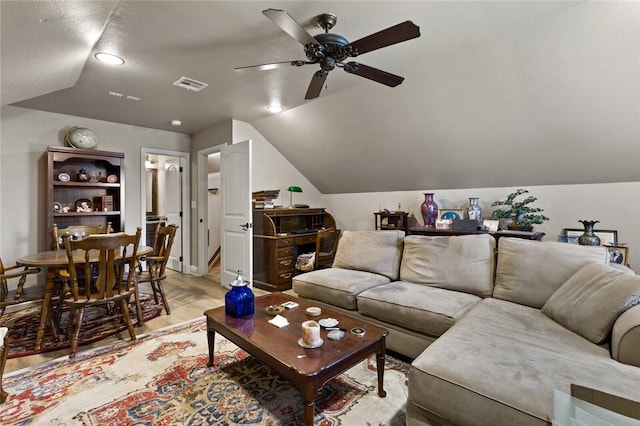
pixel 495 93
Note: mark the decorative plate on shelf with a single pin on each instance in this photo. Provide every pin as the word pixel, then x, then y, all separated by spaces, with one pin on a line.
pixel 112 178
pixel 84 205
pixel 450 214
pixel 64 177
pixel 80 137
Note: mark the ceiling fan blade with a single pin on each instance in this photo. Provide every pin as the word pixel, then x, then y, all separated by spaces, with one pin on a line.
pixel 265 67
pixel 316 85
pixel 290 26
pixel 374 74
pixel 392 35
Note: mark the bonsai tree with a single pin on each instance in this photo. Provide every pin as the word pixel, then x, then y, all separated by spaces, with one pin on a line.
pixel 520 212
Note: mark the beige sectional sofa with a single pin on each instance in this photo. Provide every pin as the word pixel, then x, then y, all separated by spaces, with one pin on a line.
pixel 491 336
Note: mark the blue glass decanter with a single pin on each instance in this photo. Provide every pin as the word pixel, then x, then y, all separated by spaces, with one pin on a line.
pixel 238 301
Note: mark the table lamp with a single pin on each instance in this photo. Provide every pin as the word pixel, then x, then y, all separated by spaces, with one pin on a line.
pixel 291 190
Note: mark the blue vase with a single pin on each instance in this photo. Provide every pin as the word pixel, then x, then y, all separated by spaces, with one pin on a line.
pixel 238 301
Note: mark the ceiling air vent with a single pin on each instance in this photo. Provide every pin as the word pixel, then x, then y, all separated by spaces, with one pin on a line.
pixel 190 84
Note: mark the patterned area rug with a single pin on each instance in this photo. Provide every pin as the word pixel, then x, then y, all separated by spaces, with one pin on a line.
pixel 163 379
pixel 97 325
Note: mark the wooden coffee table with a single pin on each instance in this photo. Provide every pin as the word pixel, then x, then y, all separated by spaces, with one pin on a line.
pixel 307 369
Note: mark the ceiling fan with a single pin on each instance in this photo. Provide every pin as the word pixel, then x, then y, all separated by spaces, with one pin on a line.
pixel 330 50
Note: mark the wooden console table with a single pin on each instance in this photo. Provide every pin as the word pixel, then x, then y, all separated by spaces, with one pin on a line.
pixel 391 220
pixel 422 230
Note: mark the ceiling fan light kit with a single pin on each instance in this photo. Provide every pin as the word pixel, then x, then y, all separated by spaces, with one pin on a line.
pixel 275 108
pixel 330 50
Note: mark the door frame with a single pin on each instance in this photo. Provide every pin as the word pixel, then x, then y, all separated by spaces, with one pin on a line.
pixel 203 208
pixel 186 212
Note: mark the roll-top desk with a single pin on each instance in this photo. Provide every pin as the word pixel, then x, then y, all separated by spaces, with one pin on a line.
pixel 279 236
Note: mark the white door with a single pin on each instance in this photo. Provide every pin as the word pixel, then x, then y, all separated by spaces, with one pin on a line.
pixel 173 210
pixel 236 237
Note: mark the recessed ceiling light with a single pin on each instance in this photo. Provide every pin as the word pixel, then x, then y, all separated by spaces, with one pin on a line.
pixel 176 123
pixel 109 58
pixel 275 108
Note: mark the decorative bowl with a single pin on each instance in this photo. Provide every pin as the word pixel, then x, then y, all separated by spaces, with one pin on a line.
pixel 95 176
pixel 328 322
pixel 313 311
pixel 274 310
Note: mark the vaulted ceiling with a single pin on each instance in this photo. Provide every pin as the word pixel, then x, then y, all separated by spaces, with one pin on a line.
pixel 495 93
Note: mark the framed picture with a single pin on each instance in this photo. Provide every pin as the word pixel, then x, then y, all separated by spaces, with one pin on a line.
pixel 490 225
pixel 618 254
pixel 451 214
pixel 607 237
pixel 443 223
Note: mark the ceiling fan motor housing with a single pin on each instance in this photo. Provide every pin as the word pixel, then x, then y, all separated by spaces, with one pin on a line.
pixel 331 45
pixel 330 50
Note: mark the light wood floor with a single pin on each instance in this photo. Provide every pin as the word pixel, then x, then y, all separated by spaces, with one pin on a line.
pixel 189 296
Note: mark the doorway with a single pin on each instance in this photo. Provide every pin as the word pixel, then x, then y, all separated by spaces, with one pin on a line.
pixel 208 159
pixel 213 211
pixel 165 199
pixel 236 247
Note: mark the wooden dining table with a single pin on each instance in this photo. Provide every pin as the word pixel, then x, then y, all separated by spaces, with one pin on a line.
pixel 53 261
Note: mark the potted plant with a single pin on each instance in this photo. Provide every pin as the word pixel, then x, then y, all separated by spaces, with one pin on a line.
pixel 520 213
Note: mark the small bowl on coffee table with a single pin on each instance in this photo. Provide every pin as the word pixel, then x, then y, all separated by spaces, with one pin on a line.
pixel 313 311
pixel 274 310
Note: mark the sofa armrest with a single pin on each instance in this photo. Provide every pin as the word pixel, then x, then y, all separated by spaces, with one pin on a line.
pixel 625 338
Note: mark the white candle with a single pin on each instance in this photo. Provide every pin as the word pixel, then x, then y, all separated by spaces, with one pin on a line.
pixel 311 333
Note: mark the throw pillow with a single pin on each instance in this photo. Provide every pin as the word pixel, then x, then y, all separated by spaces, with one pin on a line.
pixel 529 272
pixel 591 300
pixel 371 251
pixel 461 263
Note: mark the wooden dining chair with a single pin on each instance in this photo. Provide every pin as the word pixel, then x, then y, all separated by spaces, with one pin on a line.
pixel 156 263
pixel 114 255
pixel 77 231
pixel 10 296
pixel 18 295
pixel 4 350
pixel 326 245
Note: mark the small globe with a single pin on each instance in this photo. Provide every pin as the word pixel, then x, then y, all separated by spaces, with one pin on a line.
pixel 80 137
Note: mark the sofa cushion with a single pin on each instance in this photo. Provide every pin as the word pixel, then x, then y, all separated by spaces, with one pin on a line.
pixel 429 310
pixel 529 272
pixel 591 300
pixel 462 263
pixel 372 251
pixel 500 363
pixel 338 287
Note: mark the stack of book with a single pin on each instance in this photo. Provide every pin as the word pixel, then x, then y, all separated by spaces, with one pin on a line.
pixel 265 199
pixel 106 203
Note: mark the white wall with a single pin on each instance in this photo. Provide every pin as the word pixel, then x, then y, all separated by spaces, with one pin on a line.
pixel 615 205
pixel 271 170
pixel 25 135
